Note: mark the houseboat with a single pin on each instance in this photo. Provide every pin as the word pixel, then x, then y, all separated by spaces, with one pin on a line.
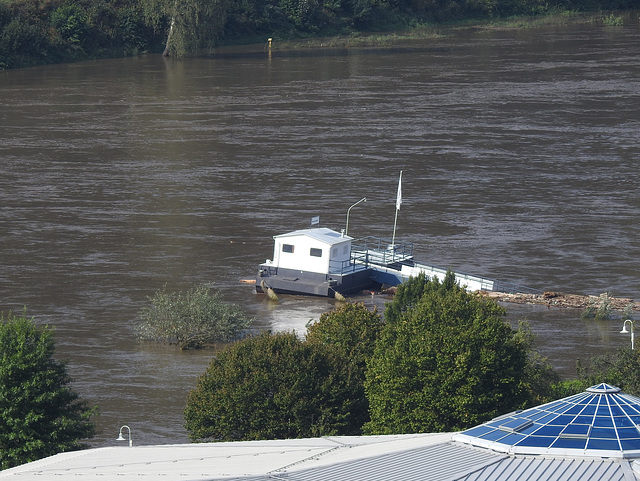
pixel 322 262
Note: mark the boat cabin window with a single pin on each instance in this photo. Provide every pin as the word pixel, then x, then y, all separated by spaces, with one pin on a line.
pixel 315 252
pixel 335 252
pixel 287 248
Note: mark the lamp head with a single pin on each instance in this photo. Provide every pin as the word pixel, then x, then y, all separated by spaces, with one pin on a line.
pixel 624 330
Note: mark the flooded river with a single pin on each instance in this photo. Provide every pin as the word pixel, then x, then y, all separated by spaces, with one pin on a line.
pixel 520 157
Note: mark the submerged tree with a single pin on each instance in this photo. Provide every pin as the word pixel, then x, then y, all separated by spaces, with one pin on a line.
pixel 39 414
pixel 190 319
pixel 192 26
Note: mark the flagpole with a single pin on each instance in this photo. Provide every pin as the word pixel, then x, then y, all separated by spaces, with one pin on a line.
pixel 398 202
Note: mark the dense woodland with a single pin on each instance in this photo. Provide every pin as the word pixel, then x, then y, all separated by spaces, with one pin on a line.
pixel 34 32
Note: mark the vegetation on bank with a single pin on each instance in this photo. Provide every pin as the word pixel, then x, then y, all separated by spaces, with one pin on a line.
pixel 36 32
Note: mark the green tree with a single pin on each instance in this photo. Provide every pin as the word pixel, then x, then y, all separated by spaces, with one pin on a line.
pixel 192 26
pixel 447 363
pixel 540 380
pixel 273 386
pixel 70 20
pixel 352 331
pixel 190 319
pixel 351 328
pixel 621 369
pixel 39 414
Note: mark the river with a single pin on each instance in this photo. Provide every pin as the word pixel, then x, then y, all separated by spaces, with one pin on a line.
pixel 519 149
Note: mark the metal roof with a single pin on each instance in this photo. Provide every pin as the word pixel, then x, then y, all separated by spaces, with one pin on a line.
pixel 600 422
pixel 472 455
pixel 415 457
pixel 322 234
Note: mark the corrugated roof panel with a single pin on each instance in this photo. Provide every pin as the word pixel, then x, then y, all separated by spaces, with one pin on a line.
pixel 437 462
pixel 527 469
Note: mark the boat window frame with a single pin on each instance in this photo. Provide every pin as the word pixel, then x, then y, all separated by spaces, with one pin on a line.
pixel 288 248
pixel 315 252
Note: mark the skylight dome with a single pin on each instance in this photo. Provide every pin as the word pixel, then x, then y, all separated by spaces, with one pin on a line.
pixel 600 422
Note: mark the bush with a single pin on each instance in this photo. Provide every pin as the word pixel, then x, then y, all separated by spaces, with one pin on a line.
pixel 190 319
pixel 273 386
pixel 70 21
pixel 39 414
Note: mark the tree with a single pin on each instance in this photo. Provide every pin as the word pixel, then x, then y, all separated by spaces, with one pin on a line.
pixel 192 25
pixel 409 294
pixel 352 328
pixel 39 414
pixel 190 319
pixel 446 363
pixel 352 331
pixel 621 369
pixel 273 386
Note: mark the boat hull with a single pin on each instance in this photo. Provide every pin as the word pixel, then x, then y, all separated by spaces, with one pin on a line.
pixel 290 281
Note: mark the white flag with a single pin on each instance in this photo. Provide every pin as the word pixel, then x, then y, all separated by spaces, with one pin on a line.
pixel 399 197
pixel 315 220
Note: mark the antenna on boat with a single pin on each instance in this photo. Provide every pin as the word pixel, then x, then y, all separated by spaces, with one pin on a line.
pixel 398 202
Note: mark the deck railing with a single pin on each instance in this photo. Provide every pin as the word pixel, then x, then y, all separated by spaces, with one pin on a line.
pixel 380 251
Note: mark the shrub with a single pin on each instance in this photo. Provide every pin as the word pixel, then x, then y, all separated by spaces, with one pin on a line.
pixel 190 319
pixel 274 386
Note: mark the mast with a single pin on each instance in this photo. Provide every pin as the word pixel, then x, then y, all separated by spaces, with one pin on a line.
pixel 398 202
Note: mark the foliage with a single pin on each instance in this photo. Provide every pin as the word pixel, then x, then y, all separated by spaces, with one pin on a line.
pixel 192 26
pixel 39 414
pixel 274 386
pixel 599 308
pixel 70 20
pixel 190 319
pixel 409 294
pixel 446 363
pixel 45 31
pixel 352 331
pixel 352 328
pixel 627 313
pixel 612 20
pixel 539 379
pixel 621 369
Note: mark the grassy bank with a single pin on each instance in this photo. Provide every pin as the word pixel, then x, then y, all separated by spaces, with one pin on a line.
pixel 434 31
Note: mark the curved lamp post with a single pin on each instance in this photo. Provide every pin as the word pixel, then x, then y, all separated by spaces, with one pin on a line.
pixel 121 437
pixel 624 331
pixel 346 230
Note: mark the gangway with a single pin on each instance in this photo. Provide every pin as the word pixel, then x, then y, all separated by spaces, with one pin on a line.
pixel 394 264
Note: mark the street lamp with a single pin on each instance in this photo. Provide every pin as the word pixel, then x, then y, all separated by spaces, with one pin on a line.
pixel 624 330
pixel 121 437
pixel 346 230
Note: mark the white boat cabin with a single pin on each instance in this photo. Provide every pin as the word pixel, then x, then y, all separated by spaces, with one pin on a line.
pixel 319 250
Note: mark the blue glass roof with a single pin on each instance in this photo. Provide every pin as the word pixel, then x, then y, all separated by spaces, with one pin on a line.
pixel 602 421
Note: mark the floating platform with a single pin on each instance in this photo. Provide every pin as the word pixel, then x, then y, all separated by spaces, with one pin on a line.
pixel 323 262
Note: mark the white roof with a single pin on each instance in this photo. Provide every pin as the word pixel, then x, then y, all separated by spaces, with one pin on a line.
pixel 483 453
pixel 217 461
pixel 321 234
pixel 414 457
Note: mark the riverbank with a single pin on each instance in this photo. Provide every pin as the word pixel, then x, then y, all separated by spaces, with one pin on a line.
pixel 396 38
